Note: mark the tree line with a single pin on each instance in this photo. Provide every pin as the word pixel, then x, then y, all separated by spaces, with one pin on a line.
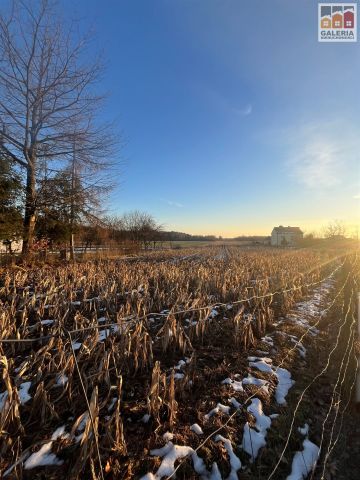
pixel 65 209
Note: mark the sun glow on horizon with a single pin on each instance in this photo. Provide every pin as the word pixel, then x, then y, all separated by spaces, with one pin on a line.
pixel 352 229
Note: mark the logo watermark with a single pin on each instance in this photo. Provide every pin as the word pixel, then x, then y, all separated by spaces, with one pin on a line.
pixel 337 22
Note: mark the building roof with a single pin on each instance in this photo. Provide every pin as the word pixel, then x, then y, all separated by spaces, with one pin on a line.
pixel 287 229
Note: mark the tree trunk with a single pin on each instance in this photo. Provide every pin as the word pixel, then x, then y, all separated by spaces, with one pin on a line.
pixel 72 248
pixel 72 208
pixel 30 208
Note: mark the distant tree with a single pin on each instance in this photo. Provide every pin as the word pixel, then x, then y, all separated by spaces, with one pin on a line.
pixel 141 227
pixel 10 202
pixel 48 99
pixel 334 229
pixel 181 236
pixel 92 235
pixel 116 229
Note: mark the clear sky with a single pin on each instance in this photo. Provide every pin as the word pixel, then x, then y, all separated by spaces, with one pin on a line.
pixel 236 119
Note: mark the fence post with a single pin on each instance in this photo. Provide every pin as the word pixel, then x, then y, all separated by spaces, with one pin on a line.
pixel 357 393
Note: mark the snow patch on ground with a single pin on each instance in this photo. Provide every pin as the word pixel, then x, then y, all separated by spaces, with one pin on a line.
pixel 263 422
pixel 235 462
pixel 304 462
pixel 170 453
pixel 235 385
pixel 47 322
pixel 81 427
pixel 104 334
pixel 76 345
pixel 196 429
pixel 283 376
pixel 268 340
pixel 300 347
pixel 262 366
pixel 168 436
pixel 283 386
pixel 234 403
pixel 214 313
pixel 258 382
pixel 252 441
pixel 256 359
pixel 181 364
pixel 255 439
pixel 61 379
pixel 44 456
pixel 24 392
pixel 311 308
pixel 219 408
pixel 302 322
pixel 145 418
pixel 304 430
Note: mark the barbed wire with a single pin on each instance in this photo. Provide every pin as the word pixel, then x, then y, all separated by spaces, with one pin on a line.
pixel 341 374
pixel 249 397
pixel 347 354
pixel 177 312
pixel 330 450
pixel 308 330
pixel 338 404
pixel 306 388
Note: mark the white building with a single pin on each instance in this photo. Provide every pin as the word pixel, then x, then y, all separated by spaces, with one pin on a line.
pixel 16 246
pixel 286 236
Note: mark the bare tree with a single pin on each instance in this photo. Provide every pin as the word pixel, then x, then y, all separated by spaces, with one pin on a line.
pixel 48 99
pixel 334 229
pixel 141 227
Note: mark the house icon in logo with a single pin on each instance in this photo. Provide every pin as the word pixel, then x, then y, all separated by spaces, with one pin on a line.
pixel 325 21
pixel 349 17
pixel 337 19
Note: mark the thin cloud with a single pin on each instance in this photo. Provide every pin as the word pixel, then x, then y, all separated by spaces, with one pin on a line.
pixel 174 204
pixel 318 157
pixel 357 196
pixel 247 110
pixel 225 103
pixel 318 165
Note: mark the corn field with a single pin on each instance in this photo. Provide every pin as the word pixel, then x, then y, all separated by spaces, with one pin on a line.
pixel 100 359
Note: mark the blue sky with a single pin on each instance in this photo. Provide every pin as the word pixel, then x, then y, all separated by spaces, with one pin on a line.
pixel 236 119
